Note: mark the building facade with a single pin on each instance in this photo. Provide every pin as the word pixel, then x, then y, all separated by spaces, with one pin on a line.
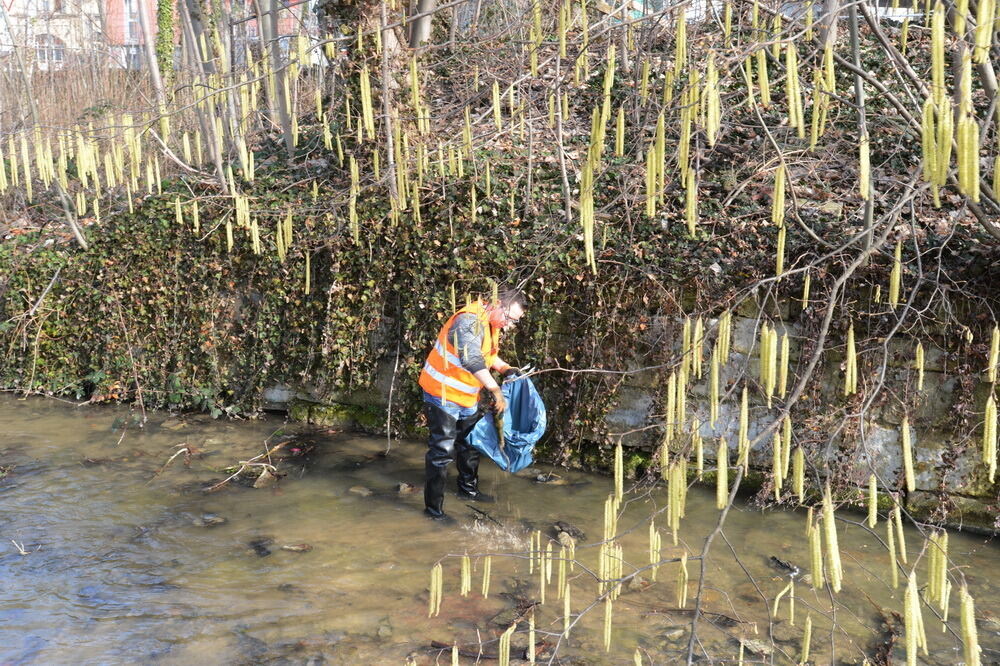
pixel 52 34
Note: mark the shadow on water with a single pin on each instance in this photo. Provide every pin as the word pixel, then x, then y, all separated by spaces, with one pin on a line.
pixel 130 561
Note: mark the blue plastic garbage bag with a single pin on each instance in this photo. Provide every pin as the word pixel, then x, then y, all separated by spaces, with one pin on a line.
pixel 523 426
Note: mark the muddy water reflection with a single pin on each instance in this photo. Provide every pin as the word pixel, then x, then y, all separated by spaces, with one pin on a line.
pixel 127 566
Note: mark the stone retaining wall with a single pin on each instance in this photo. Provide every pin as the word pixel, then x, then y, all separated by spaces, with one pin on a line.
pixel 951 478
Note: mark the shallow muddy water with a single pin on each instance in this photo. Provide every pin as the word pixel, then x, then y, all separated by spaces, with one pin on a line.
pixel 125 565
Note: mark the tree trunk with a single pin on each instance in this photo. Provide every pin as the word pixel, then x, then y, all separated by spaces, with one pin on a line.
pixel 420 27
pixel 165 40
pixel 149 50
pixel 828 27
pixel 268 21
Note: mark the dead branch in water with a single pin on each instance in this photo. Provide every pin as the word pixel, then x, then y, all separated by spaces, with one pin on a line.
pixel 252 462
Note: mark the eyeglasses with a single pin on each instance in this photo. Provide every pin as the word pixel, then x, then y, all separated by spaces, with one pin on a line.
pixel 511 320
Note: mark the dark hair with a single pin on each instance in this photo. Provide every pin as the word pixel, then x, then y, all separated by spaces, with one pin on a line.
pixel 509 296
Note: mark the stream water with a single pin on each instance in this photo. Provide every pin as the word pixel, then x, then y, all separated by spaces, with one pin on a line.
pixel 128 561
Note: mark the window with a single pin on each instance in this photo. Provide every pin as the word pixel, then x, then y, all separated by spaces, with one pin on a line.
pixel 51 6
pixel 50 50
pixel 132 29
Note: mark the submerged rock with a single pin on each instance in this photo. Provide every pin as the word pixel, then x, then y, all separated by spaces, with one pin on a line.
pixel 360 490
pixel 758 646
pixel 265 480
pixel 260 546
pixel 384 629
pixel 173 424
pixel 209 520
pixel 636 584
pixel 674 634
pixel 566 534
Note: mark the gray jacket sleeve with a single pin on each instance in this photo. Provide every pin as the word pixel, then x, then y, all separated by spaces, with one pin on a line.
pixel 466 333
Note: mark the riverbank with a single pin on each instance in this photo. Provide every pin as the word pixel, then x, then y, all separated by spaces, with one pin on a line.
pixel 128 559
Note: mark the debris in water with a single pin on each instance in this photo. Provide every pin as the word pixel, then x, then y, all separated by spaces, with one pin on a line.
pixel 360 490
pixel 403 488
pixel 297 547
pixel 784 566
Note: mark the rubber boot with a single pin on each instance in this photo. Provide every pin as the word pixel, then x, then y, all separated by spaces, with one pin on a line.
pixel 467 461
pixel 440 453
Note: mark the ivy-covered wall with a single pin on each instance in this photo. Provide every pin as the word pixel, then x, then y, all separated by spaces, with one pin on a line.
pixel 161 312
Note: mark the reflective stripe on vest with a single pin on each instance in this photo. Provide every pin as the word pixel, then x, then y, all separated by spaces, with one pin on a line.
pixel 448 356
pixel 453 383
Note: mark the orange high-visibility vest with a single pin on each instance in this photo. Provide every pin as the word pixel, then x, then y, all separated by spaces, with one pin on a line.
pixel 443 375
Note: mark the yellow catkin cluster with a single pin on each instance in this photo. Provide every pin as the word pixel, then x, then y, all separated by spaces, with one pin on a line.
pixel 815 553
pixel 743 428
pixel 722 475
pixel 682 581
pixel 561 581
pixel 669 423
pixel 725 335
pixel 897 522
pixel 466 582
pixel 697 348
pixel 865 168
pixel 967 133
pixel 904 430
pixel 833 567
pixel 913 620
pixel 608 609
pixel 895 275
pixel 919 363
pixel 985 25
pixel 655 545
pixel 713 387
pixel 872 501
pixel 619 473
pixel 851 364
pixel 680 43
pixel 799 473
pixel 691 202
pixel 283 236
pixel 763 81
pixel 824 87
pixel 768 360
pixel 776 468
pixel 890 533
pixel 806 640
pixel 567 604
pixel 713 101
pixel 991 366
pixel 970 638
pixel 788 589
pixel 793 89
pixel 938 585
pixel 990 436
pixel 487 570
pixel 699 448
pixel 503 656
pixel 436 590
pixel 677 491
pixel 786 353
